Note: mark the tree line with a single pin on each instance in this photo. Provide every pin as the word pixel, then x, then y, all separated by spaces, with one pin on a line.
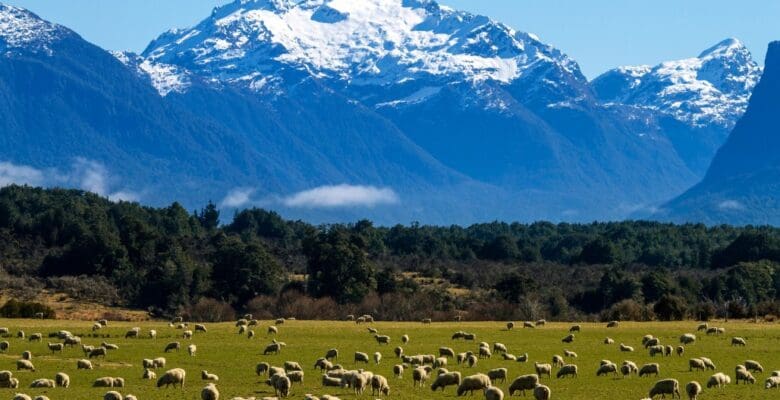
pixel 171 260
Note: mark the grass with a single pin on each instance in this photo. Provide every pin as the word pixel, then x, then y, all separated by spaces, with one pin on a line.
pixel 233 357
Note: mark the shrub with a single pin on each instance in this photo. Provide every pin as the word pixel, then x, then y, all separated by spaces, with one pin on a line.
pixel 25 309
pixel 670 308
pixel 211 310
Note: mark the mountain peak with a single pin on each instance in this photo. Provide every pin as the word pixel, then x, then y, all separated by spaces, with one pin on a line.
pixel 724 48
pixel 20 28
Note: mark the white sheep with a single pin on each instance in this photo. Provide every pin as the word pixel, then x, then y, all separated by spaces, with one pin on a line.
pixel 379 386
pixel 570 354
pixel 718 380
pixel 680 350
pixel 274 348
pixel 613 324
pixel 472 383
pixel 159 362
pixel 772 382
pixel 200 328
pixel 528 324
pixel 522 358
pixel 738 341
pixel 653 350
pixel 419 376
pixel 608 368
pixel 331 354
pixel 697 364
pixel 543 369
pixel 446 379
pixel 609 340
pixel 557 361
pixel 542 392
pixel 499 348
pixel 377 357
pixel 382 339
pixel 510 325
pixel 664 387
pixel 56 347
pixel 295 376
pixel 742 374
pixel 509 357
pixel 567 370
pixel 173 377
pixel 206 376
pixel 568 338
pixel 192 349
pixel 628 368
pixel 361 357
pixel 446 352
pixel 626 348
pixel 693 389
pixel 497 375
pixel 651 368
pixel 43 383
pixel 172 346
pixel 494 393
pixel 471 360
pixel 753 366
pixel 708 363
pixel 405 339
pixel 523 383
pixel 83 364
pixel 575 328
pixel 106 381
pixel 62 379
pixel 25 365
pixel 149 374
pixel 272 330
pixel 112 395
pixel 398 370
pixel 688 338
pixel 152 334
pixel 209 392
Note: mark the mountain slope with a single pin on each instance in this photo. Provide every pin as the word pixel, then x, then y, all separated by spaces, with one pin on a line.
pixel 497 105
pixel 706 95
pixel 743 184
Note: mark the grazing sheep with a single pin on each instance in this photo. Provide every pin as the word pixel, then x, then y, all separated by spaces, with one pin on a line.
pixel 542 392
pixel 494 393
pixel 209 392
pixel 653 341
pixel 272 330
pixel 149 374
pixel 575 328
pixel 26 365
pixel 379 386
pixel 372 330
pixel 472 383
pixel 292 366
pixel 279 321
pixel 159 362
pixel 458 335
pixel 522 358
pixel 132 333
pixel 36 337
pixel 152 334
pixel 693 389
pixel 172 346
pixel 426 321
pixel 83 364
pixel 697 364
pixel 628 368
pixel 398 370
pixel 419 376
pixel 328 381
pixel 206 376
pixel 523 383
pixel 382 339
pixel 191 349
pixel 738 341
pixel 484 352
pixel 742 374
pixel 680 350
pixel 331 354
pixel 510 325
pixel 608 368
pixel 276 371
pixel 568 370
pixel 274 348
pixel 471 360
pixel 62 379
pixel 626 348
pixel 569 353
pixel 295 376
pixel 97 352
pixel 104 382
pixel 568 339
pixel 43 383
pixel 470 336
pixel 56 347
pixel 109 346
pixel 718 380
pixel 497 375
pixel 440 362
pixel 446 352
pixel 772 382
pixel 4 345
pixel 557 361
pixel 446 379
pixel 613 324
pixel 688 338
pixel 499 348
pixel 112 395
pixel 322 364
pixel 543 369
pixel 708 363
pixel 664 387
pixel 187 334
pixel 405 339
pixel 200 328
pixel 753 366
pixel 529 324
pixel 361 357
pixel 703 327
pixel 653 350
pixel 242 329
pixel 509 357
pixel 172 377
pixel 651 368
pixel 668 349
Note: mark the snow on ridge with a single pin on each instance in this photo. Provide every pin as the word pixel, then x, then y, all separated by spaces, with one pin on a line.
pixel 20 28
pixel 164 78
pixel 359 41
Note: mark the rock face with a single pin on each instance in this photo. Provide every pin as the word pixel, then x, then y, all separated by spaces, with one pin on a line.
pixel 742 185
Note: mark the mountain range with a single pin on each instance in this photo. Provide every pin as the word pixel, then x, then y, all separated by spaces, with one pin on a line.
pixel 394 110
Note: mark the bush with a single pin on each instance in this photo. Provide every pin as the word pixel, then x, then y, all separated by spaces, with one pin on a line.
pixel 670 308
pixel 25 309
pixel 625 310
pixel 211 310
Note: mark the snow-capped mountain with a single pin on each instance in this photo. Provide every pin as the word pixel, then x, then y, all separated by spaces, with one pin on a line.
pixel 21 29
pixel 711 89
pixel 368 42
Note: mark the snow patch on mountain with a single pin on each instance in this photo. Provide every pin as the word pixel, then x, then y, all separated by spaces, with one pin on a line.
pixel 20 28
pixel 164 77
pixel 366 42
pixel 711 89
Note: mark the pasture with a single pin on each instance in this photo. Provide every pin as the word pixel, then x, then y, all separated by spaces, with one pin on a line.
pixel 233 357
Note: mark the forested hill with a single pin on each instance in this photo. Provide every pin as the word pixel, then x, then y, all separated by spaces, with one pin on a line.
pixel 173 260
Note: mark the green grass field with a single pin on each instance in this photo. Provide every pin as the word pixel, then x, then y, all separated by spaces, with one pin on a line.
pixel 233 357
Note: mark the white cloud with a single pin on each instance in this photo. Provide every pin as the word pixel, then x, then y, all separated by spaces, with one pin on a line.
pixel 732 205
pixel 84 174
pixel 237 198
pixel 19 174
pixel 342 196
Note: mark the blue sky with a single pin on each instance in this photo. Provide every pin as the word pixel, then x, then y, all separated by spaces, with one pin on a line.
pixel 599 34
